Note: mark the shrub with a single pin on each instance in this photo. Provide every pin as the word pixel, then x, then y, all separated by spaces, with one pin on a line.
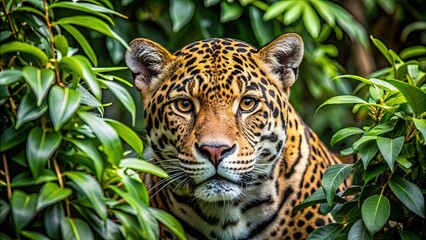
pixel 385 198
pixel 67 172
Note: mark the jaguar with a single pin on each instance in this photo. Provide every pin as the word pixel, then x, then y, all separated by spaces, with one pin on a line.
pixel 219 121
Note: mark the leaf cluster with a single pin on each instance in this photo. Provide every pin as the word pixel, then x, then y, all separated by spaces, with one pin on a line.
pixel 386 196
pixel 67 172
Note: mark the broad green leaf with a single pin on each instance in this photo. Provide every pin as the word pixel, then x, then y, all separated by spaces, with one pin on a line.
pixel 229 11
pixel 87 7
pixel 75 229
pixel 85 45
pixel 25 48
pixel 34 235
pixel 359 232
pixel 91 23
pixel 384 50
pixel 80 67
pixel 51 193
pixel 5 35
pixel 40 147
pixel 91 150
pixel 4 210
pixel 63 103
pixel 414 95
pixel 323 9
pixel 317 197
pixel 181 12
pixel 421 126
pixel 28 110
pixel 61 44
pixel 343 99
pixel 135 187
pixel 276 9
pixel 23 208
pixel 24 179
pixel 375 212
pixel 381 129
pixel 326 232
pixel 144 166
pixel 311 20
pixel 367 151
pixel 130 225
pixel 9 76
pixel 406 234
pixel 52 220
pixel 414 51
pixel 295 12
pixel 169 221
pixel 403 161
pixel 261 31
pixel 91 188
pixel 11 137
pixel 390 149
pixel 89 100
pixel 372 81
pixel 333 177
pixel 362 140
pixel 409 194
pixel 344 133
pixel 128 135
pixel 209 3
pixel 124 97
pixel 106 135
pixel 40 81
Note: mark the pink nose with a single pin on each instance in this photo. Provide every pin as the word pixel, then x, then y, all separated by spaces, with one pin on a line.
pixel 215 153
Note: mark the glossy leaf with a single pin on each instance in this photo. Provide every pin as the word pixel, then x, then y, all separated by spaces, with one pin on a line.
pixel 169 221
pixel 4 210
pixel 383 49
pixel 421 126
pixel 276 9
pixel 63 103
pixel 9 76
pixel 85 45
pixel 344 133
pixel 23 208
pixel 128 135
pixel 61 44
pixel 11 137
pixel 40 147
pixel 51 193
pixel 229 11
pixel 375 212
pixel 311 20
pixel 91 150
pixel 91 188
pixel 87 7
pixel 409 194
pixel 414 95
pixel 406 234
pixel 40 81
pixel 28 110
pixel 144 166
pixel 367 151
pixel 33 235
pixel 326 232
pixel 52 220
pixel 390 149
pixel 107 136
pixel 25 48
pixel 333 177
pixel 181 12
pixel 24 179
pixel 343 99
pixel 75 229
pixel 359 232
pixel 124 97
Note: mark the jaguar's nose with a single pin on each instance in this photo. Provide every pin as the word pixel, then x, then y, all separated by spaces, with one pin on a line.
pixel 216 153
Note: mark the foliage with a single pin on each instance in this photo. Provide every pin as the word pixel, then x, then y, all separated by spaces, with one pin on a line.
pixel 67 172
pixel 386 195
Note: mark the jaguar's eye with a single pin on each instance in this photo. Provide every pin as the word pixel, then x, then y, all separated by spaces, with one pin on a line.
pixel 184 105
pixel 248 104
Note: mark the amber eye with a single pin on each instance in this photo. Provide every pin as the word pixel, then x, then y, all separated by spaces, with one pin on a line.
pixel 184 105
pixel 248 104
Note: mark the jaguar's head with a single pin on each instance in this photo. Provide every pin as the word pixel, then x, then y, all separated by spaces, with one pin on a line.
pixel 216 110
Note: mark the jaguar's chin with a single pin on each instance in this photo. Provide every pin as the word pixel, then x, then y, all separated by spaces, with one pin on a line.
pixel 218 189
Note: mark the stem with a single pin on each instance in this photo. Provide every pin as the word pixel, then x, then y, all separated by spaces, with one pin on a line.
pixel 61 184
pixel 6 13
pixel 6 171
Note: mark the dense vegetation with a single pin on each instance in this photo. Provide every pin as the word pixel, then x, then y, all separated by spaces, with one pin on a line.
pixel 70 129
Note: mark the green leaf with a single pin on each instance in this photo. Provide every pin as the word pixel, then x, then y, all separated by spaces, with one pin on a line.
pixel 91 23
pixel 380 129
pixel 91 188
pixel 333 177
pixel 406 234
pixel 91 151
pixel 169 221
pixel 260 28
pixel 85 45
pixel 362 140
pixel 295 13
pixel 124 97
pixel 311 20
pixel 181 12
pixel 24 179
pixel 414 51
pixel 75 229
pixel 87 7
pixel 34 235
pixel 63 103
pixel 40 147
pixel 25 48
pixel 209 3
pixel 61 44
pixel 390 149
pixel 344 133
pixel 327 232
pixel 144 166
pixel 367 151
pixel 8 76
pixel 375 212
pixel 23 208
pixel 409 194
pixel 106 135
pixel 229 11
pixel 414 95
pixel 40 81
pixel 384 50
pixel 4 210
pixel 11 137
pixel 359 232
pixel 343 99
pixel 79 66
pixel 28 110
pixel 52 220
pixel 276 9
pixel 128 135
pixel 421 126
pixel 51 193
pixel 374 170
pixel 317 197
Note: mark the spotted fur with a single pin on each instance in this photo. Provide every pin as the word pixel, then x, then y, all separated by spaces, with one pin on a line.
pixel 219 121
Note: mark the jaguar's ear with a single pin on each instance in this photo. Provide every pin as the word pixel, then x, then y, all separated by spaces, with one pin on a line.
pixel 283 56
pixel 147 60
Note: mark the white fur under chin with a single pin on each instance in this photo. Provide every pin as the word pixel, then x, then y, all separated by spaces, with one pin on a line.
pixel 218 190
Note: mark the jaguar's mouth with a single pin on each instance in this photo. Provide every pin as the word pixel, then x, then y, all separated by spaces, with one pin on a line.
pixel 217 189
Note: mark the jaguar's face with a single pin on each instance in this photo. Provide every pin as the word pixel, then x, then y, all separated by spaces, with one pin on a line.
pixel 216 110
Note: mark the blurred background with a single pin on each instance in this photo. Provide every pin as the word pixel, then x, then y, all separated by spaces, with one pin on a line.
pixel 336 35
